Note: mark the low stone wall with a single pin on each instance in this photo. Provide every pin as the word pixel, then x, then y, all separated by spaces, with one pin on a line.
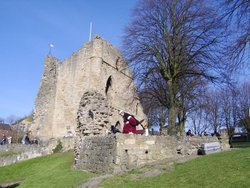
pixel 116 153
pixel 13 153
pixel 97 154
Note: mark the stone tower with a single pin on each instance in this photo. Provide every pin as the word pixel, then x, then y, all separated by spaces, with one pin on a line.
pixel 97 68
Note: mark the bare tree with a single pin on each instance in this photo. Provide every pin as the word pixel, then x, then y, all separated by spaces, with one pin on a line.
pixel 213 109
pixel 230 108
pixel 2 120
pixel 199 121
pixel 171 41
pixel 199 115
pixel 237 15
pixel 12 119
pixel 244 112
pixel 156 113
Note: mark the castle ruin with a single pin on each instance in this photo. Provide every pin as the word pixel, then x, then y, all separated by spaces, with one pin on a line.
pixel 89 87
pixel 82 95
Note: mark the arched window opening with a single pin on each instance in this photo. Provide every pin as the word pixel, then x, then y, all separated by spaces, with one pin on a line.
pixel 108 84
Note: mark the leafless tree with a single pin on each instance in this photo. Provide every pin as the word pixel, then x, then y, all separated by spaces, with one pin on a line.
pixel 171 42
pixel 244 112
pixel 156 113
pixel 199 121
pixel 199 115
pixel 230 108
pixel 2 120
pixel 237 15
pixel 11 119
pixel 213 110
pixel 189 96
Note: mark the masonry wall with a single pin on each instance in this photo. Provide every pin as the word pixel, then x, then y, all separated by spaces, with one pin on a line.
pixel 99 154
pixel 98 66
pixel 116 153
pixel 14 153
pixel 45 101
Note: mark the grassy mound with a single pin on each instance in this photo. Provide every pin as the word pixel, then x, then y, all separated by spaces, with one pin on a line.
pixel 225 169
pixel 49 171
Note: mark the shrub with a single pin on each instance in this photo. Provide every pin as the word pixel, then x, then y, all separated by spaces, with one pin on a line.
pixel 58 147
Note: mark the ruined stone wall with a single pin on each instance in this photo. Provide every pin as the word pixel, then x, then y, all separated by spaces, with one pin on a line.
pixel 72 81
pixel 14 153
pixel 96 66
pixel 99 154
pixel 45 101
pixel 131 151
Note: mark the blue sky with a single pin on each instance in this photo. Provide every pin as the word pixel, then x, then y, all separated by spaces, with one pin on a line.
pixel 29 26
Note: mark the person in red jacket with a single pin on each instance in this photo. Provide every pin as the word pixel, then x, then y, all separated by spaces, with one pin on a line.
pixel 129 123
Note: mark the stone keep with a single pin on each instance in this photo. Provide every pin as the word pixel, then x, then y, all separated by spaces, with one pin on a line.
pixel 94 74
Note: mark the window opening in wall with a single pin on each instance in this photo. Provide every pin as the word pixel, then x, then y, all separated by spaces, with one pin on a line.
pixel 108 84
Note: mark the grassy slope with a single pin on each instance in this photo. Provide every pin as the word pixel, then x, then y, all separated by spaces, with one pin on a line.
pixel 225 169
pixel 50 171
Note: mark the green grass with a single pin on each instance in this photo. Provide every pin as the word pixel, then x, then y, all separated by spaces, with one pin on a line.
pixel 49 171
pixel 226 169
pixel 241 144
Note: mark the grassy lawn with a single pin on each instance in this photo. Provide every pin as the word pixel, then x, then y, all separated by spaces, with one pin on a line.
pixel 49 171
pixel 241 144
pixel 225 169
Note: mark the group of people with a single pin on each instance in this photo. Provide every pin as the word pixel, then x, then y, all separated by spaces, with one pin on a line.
pixel 27 139
pixel 189 133
pixel 5 139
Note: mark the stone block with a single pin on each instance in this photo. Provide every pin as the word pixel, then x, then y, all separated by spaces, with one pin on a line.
pixel 150 142
pixel 130 141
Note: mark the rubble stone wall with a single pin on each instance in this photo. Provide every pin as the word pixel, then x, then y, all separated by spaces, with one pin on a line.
pixel 13 153
pixel 116 153
pixel 99 154
pixel 45 101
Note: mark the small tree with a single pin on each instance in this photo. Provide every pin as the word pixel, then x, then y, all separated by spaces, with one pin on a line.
pixel 58 147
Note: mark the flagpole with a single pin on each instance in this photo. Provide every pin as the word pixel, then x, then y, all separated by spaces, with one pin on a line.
pixel 50 48
pixel 90 31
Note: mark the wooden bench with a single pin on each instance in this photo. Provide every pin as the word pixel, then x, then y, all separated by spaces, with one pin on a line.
pixel 210 147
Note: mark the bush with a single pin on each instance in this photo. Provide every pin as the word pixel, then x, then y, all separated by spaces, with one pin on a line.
pixel 58 147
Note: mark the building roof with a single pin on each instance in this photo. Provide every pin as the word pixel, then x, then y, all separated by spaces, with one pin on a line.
pixel 4 126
